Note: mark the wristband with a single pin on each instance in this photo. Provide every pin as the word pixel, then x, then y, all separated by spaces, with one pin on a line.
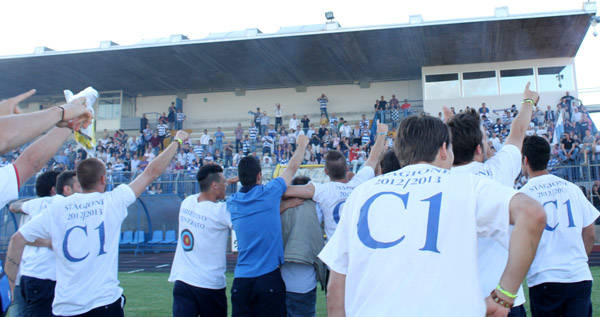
pixel 382 133
pixel 505 292
pixel 529 101
pixel 179 141
pixel 500 301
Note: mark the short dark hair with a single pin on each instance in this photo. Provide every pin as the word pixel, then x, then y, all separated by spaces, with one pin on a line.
pixel 207 175
pixel 66 178
pixel 301 180
pixel 335 164
pixel 466 136
pixel 419 139
pixel 44 183
pixel 537 151
pixel 89 172
pixel 248 170
pixel 389 162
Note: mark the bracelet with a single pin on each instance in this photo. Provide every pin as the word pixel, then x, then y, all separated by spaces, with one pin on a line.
pixel 62 115
pixel 382 133
pixel 505 292
pixel 500 301
pixel 529 101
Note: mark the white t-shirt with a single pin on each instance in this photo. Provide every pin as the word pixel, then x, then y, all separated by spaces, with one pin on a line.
pixel 409 237
pixel 38 262
pixel 85 231
pixel 330 197
pixel 561 256
pixel 200 255
pixel 9 187
pixel 293 124
pixel 504 167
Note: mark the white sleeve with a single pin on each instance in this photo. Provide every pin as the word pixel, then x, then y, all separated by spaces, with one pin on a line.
pixel 320 192
pixel 34 206
pixel 335 253
pixel 506 164
pixel 9 184
pixel 492 209
pixel 121 197
pixel 588 211
pixel 365 174
pixel 38 227
pixel 225 215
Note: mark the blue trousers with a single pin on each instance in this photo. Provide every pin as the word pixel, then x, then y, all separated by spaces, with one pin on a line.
pixel 301 305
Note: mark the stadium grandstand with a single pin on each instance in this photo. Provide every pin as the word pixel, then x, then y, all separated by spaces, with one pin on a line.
pixel 335 82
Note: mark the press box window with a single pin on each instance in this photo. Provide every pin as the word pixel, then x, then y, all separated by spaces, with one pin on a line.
pixel 558 78
pixel 480 84
pixel 442 86
pixel 513 81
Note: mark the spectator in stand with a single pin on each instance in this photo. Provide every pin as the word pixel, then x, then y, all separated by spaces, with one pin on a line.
pixel 345 130
pixel 324 121
pixel 305 124
pixel 333 123
pixel 219 136
pixel 568 151
pixel 253 132
pixel 323 100
pixel 272 132
pixel 382 104
pixel 293 125
pixel 204 140
pixel 143 123
pixel 550 115
pixel 292 139
pixel 180 118
pixel 311 131
pixel 264 123
pixel 498 127
pixel 211 147
pixel 163 117
pixel 239 135
pixel 199 151
pixel 394 102
pixel 267 145
pixel 577 118
pixel 364 123
pixel 588 146
pixel 278 116
pixel 256 118
pixel 567 100
pixel 246 147
pixel 172 117
pixel 483 110
pixel 155 142
pixel 161 129
pixel 405 108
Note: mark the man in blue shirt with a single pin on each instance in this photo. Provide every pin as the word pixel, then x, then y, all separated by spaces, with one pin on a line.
pixel 219 136
pixel 258 289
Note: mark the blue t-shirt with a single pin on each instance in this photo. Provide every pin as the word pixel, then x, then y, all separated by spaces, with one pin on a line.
pixel 257 224
pixel 219 136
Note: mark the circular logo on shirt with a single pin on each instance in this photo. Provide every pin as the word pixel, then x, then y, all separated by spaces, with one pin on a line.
pixel 187 240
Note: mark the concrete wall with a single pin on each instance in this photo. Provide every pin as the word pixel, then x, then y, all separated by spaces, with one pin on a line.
pixel 499 101
pixel 227 109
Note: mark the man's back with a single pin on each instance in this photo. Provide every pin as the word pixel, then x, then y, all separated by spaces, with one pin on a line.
pixel 85 230
pixel 257 223
pixel 561 255
pixel 419 224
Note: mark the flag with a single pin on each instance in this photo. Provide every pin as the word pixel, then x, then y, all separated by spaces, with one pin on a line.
pixel 559 129
pixel 85 136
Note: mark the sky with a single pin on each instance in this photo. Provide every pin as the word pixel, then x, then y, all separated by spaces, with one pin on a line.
pixel 67 25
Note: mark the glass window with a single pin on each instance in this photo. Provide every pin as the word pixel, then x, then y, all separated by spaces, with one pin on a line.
pixel 480 84
pixel 442 86
pixel 558 78
pixel 109 105
pixel 513 81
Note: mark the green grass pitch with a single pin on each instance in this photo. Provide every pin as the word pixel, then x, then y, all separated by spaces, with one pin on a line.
pixel 149 294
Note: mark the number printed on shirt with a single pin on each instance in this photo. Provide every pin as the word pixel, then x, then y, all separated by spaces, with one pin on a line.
pixel 433 221
pixel 552 209
pixel 336 211
pixel 65 245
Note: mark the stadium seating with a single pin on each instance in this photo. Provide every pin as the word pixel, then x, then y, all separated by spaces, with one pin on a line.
pixel 139 237
pixel 127 237
pixel 170 237
pixel 157 237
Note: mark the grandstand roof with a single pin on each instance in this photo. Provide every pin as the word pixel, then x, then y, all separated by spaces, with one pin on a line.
pixel 302 56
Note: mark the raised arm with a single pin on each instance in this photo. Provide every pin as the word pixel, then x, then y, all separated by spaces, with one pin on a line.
pixel 11 105
pixel 378 147
pixel 296 160
pixel 529 220
pixel 36 155
pixel 18 129
pixel 158 165
pixel 521 122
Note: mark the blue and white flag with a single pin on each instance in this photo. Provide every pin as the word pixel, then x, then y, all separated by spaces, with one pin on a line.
pixel 559 129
